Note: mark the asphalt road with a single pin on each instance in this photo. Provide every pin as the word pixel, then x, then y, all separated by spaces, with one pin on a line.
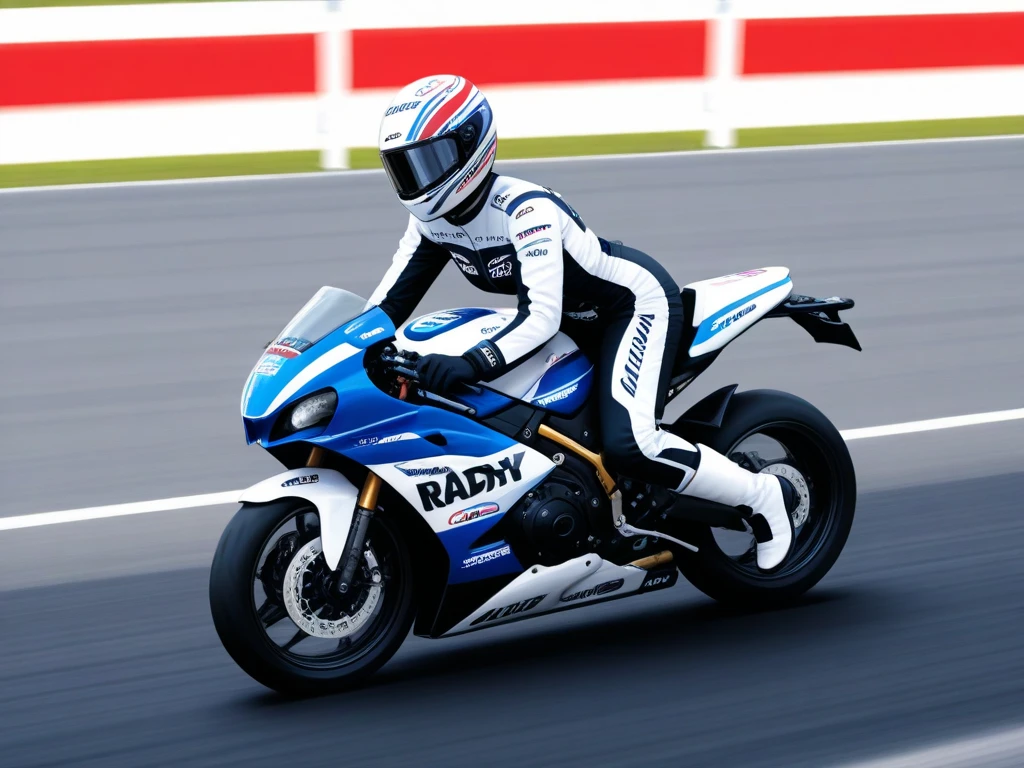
pixel 133 316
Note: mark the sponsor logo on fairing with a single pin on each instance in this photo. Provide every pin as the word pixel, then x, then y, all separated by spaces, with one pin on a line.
pixel 601 589
pixel 735 278
pixel 486 557
pixel 282 351
pixel 497 260
pixel 502 270
pixel 659 579
pixel 524 211
pixel 371 334
pixel 535 252
pixel 725 322
pixel 363 441
pixel 438 320
pixel 490 329
pixel 447 235
pixel 392 137
pixel 557 396
pixel 509 610
pixel 470 482
pixel 423 471
pixel 473 513
pixel 401 108
pixel 303 480
pixel 533 231
pixel 499 200
pixel 635 359
pixel 269 366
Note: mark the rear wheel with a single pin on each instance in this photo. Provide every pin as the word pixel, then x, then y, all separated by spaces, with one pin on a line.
pixel 278 609
pixel 778 433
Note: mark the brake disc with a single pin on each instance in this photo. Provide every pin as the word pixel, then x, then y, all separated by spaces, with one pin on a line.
pixel 297 590
pixel 802 511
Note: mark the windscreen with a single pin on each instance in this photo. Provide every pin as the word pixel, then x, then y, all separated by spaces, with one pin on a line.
pixel 328 309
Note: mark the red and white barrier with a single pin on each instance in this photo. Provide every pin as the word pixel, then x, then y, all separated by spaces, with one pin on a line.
pixel 135 81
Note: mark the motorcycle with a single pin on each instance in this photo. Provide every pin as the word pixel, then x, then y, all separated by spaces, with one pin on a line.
pixel 404 509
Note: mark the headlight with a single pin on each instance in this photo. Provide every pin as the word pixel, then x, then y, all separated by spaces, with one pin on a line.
pixel 314 411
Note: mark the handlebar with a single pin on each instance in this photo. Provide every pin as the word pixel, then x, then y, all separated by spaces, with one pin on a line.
pixel 404 364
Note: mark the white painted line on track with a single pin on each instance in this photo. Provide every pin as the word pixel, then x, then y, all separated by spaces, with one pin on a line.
pixel 930 425
pixel 38 519
pixel 118 510
pixel 1000 749
pixel 684 153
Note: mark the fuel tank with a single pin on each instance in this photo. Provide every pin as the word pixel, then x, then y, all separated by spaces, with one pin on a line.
pixel 557 377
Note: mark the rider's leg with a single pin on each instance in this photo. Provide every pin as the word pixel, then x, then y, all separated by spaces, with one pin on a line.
pixel 637 353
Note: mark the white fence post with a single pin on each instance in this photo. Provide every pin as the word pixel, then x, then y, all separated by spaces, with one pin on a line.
pixel 333 57
pixel 724 58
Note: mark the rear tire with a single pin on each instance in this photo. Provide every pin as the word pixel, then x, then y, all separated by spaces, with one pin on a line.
pixel 235 576
pixel 821 453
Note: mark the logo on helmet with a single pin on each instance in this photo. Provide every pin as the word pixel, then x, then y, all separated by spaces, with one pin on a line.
pixel 401 108
pixel 430 87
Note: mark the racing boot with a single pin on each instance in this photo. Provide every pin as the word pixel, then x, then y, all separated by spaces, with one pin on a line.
pixel 770 498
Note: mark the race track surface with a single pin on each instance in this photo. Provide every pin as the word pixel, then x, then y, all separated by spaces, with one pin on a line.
pixel 134 314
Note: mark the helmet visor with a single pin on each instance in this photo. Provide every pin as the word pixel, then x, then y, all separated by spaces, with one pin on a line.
pixel 413 170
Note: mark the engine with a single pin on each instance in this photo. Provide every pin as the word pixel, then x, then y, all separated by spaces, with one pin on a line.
pixel 551 523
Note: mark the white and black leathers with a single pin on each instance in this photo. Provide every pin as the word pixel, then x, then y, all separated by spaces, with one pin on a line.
pixel 522 239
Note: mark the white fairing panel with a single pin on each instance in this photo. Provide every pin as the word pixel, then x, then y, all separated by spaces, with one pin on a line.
pixel 452 490
pixel 326 489
pixel 728 305
pixel 449 332
pixel 542 589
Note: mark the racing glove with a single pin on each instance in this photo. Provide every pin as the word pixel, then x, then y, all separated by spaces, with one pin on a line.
pixel 440 373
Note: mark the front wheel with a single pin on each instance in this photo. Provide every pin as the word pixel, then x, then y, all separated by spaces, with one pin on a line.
pixel 278 610
pixel 775 432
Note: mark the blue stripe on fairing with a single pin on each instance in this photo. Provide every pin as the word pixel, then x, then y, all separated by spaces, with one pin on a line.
pixel 704 332
pixel 535 398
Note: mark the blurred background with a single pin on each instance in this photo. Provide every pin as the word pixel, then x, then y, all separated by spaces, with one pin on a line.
pixel 133 314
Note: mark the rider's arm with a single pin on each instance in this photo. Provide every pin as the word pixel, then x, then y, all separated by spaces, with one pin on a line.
pixel 534 228
pixel 417 263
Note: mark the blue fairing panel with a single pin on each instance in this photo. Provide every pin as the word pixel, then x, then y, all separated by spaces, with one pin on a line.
pixel 565 386
pixel 483 562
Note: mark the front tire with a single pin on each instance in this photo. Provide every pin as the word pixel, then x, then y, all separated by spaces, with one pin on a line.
pixel 269 584
pixel 814 448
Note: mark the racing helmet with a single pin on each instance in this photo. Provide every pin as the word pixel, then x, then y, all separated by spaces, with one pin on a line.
pixel 437 144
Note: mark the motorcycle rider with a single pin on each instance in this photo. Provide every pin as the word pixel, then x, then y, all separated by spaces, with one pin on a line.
pixel 437 144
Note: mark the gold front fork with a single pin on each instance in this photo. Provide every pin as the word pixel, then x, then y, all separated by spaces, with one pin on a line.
pixel 371 488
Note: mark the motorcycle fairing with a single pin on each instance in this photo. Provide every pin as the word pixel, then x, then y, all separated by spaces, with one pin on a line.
pixel 724 307
pixel 556 378
pixel 326 489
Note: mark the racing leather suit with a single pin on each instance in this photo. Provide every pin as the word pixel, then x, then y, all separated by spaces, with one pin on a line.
pixel 522 239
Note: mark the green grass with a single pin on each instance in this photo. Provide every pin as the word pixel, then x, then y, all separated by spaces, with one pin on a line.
pixel 914 129
pixel 59 3
pixel 366 157
pixel 146 168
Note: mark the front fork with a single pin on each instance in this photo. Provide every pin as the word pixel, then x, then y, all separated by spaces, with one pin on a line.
pixel 365 507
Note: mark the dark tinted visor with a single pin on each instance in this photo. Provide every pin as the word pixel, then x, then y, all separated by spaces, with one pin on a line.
pixel 418 168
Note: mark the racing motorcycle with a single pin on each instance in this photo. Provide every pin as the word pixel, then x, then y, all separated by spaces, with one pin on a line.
pixel 404 509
